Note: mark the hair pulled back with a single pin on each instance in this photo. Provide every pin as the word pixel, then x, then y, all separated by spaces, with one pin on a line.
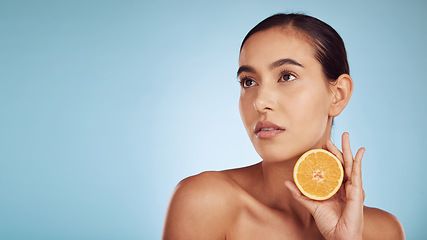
pixel 330 49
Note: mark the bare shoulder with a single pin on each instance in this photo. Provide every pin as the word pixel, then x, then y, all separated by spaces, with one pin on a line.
pixel 201 207
pixel 380 224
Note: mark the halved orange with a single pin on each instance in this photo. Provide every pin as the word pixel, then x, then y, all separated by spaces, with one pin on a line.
pixel 318 174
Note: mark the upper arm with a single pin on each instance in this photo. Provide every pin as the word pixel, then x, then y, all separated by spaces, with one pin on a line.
pixel 197 209
pixel 380 224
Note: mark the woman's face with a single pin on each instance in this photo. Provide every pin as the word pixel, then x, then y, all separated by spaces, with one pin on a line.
pixel 285 98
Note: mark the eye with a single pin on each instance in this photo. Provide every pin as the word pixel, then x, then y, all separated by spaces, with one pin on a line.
pixel 287 76
pixel 247 82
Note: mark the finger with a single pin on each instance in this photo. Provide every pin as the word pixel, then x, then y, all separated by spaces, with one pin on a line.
pixel 333 149
pixel 357 168
pixel 356 196
pixel 348 156
pixel 364 195
pixel 310 205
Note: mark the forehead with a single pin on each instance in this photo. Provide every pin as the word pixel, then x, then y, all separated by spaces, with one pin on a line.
pixel 267 46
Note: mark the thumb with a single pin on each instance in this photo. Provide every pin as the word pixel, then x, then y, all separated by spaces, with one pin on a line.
pixel 309 204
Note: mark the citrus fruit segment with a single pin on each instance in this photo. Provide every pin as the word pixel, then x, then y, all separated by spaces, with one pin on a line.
pixel 318 174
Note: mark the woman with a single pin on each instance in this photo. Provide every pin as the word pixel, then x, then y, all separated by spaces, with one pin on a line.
pixel 294 80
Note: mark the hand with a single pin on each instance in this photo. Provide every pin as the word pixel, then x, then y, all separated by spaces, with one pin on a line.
pixel 340 217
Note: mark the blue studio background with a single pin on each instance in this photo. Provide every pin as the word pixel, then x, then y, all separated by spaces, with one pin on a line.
pixel 106 105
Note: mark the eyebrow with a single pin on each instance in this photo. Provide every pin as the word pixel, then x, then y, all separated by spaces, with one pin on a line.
pixel 276 64
pixel 281 62
pixel 245 68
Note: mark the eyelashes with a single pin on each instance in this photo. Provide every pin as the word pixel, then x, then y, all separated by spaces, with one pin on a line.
pixel 246 81
pixel 287 76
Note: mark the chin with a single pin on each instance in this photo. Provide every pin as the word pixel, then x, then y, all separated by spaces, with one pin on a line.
pixel 279 151
pixel 279 154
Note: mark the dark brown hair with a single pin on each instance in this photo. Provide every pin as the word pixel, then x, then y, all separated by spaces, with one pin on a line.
pixel 330 49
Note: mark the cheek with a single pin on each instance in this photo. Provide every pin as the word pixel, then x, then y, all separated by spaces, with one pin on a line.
pixel 309 110
pixel 244 108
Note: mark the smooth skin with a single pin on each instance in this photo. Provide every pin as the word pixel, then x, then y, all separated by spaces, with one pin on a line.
pixel 261 201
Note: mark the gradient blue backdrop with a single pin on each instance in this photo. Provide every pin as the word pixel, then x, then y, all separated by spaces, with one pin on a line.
pixel 106 105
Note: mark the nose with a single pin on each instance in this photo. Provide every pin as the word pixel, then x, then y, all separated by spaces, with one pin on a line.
pixel 265 100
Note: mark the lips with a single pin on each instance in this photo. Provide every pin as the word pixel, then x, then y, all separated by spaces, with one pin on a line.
pixel 267 129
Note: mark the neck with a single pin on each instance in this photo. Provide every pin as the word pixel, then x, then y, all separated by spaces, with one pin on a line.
pixel 273 190
pixel 274 193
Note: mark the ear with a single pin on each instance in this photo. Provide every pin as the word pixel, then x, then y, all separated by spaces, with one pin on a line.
pixel 341 94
